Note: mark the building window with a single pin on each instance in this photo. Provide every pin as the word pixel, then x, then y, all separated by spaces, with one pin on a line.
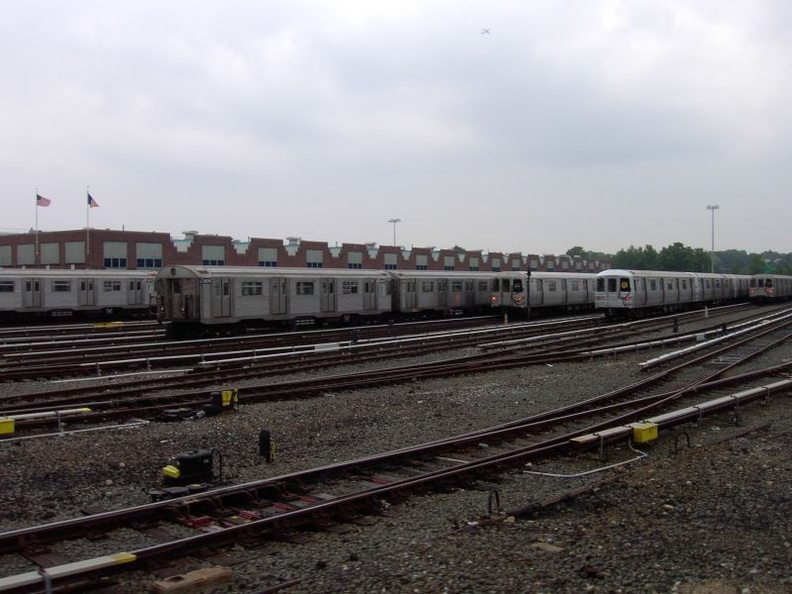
pixel 149 263
pixel 213 262
pixel 305 288
pixel 251 288
pixel 349 288
pixel 115 262
pixel 61 286
pixel 314 258
pixel 355 260
pixel 422 267
pixel 447 267
pixel 147 255
pixel 268 257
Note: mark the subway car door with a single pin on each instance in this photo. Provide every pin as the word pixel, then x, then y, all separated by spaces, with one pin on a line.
pixel 442 292
pixel 369 294
pixel 537 291
pixel 135 292
pixel 31 297
pixel 643 292
pixel 221 297
pixel 86 296
pixel 278 296
pixel 328 295
pixel 409 294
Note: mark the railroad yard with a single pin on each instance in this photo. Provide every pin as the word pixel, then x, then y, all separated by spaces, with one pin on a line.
pixel 703 509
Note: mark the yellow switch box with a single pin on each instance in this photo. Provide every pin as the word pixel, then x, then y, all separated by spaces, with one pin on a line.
pixel 6 426
pixel 171 471
pixel 643 432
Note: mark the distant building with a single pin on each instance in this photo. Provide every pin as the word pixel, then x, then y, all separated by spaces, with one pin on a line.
pixel 135 250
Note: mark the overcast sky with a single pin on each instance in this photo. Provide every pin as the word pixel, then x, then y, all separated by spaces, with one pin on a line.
pixel 516 126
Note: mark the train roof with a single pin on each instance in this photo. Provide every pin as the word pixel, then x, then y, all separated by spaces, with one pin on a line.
pixel 667 273
pixel 645 273
pixel 548 274
pixel 73 273
pixel 252 272
pixel 440 273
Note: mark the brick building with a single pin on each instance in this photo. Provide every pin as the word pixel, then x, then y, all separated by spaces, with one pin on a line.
pixel 132 250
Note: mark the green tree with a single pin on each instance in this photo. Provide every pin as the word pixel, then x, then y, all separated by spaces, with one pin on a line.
pixel 735 261
pixel 702 262
pixel 678 257
pixel 756 265
pixel 577 251
pixel 636 258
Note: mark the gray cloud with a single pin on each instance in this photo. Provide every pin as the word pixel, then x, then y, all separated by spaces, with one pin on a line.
pixel 598 124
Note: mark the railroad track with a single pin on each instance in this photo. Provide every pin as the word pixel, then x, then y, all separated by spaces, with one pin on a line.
pixel 129 351
pixel 46 359
pixel 189 394
pixel 327 498
pixel 29 333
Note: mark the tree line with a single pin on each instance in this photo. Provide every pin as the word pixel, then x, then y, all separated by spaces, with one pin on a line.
pixel 680 257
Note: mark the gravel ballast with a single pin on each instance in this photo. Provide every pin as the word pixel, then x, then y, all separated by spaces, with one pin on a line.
pixel 712 518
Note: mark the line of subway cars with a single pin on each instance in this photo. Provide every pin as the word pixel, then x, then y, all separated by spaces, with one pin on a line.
pixel 226 299
pixel 203 299
pixel 629 293
pixel 29 294
pixel 197 300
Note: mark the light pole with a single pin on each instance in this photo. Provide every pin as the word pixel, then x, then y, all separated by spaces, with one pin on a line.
pixel 713 208
pixel 394 221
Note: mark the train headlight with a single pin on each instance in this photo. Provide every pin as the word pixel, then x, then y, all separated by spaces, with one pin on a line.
pixel 519 299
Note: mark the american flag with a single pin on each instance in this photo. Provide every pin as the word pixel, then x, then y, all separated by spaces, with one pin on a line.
pixel 92 203
pixel 41 201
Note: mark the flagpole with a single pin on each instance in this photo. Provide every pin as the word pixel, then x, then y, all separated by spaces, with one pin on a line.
pixel 87 227
pixel 36 255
